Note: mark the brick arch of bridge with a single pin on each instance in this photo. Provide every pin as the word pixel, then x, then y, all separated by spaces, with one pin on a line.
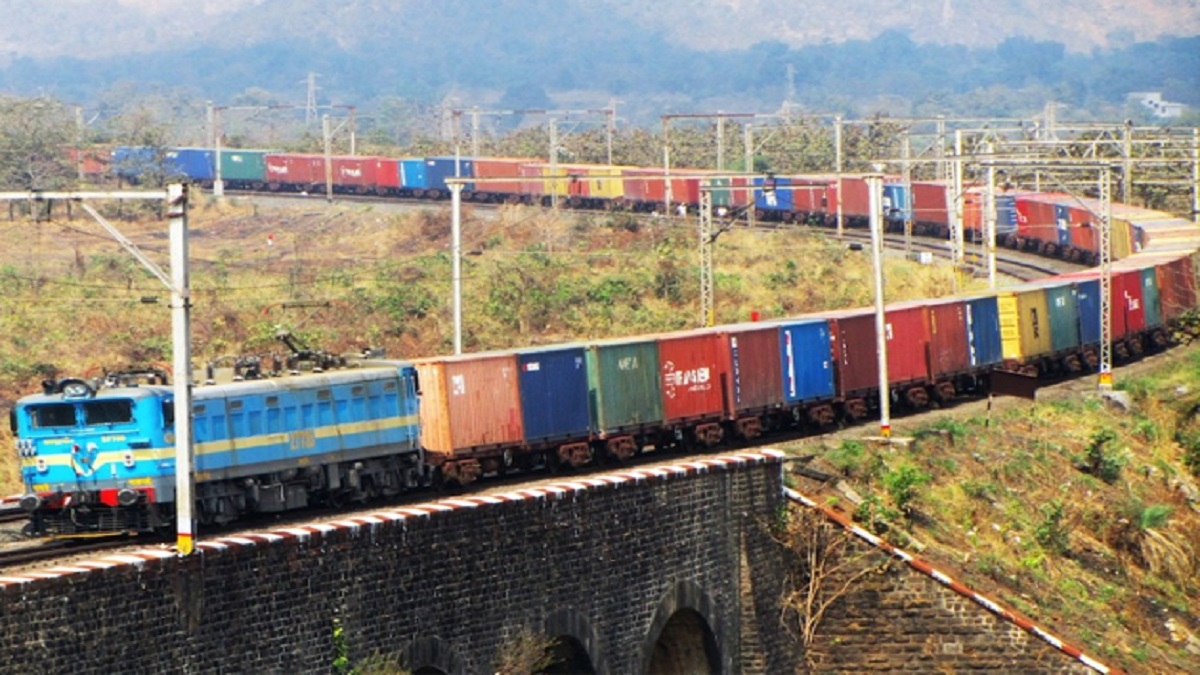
pixel 572 623
pixel 685 595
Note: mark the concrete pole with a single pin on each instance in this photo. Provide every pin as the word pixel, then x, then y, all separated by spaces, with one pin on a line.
pixel 182 351
pixel 218 180
pixel 456 244
pixel 837 164
pixel 553 164
pixel 720 141
pixel 989 218
pixel 327 134
pixel 875 188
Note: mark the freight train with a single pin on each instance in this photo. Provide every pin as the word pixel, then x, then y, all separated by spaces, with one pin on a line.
pixel 98 456
pixel 1054 225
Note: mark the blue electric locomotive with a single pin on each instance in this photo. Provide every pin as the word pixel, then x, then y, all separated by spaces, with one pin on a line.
pixel 99 457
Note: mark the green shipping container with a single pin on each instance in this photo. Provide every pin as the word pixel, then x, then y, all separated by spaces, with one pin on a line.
pixel 243 166
pixel 624 384
pixel 720 197
pixel 1150 297
pixel 1064 317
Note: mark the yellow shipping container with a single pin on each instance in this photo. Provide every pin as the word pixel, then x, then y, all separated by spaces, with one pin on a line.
pixel 1024 323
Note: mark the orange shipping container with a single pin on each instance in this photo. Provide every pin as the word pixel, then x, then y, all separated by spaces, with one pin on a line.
pixel 469 402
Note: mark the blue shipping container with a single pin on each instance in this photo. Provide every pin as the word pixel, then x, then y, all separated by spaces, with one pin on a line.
pixel 412 174
pixel 897 201
pixel 438 169
pixel 1062 223
pixel 983 331
pixel 554 393
pixel 1087 302
pixel 774 200
pixel 1006 214
pixel 194 163
pixel 807 359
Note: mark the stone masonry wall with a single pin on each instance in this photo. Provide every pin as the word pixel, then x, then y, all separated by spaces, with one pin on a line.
pixel 606 561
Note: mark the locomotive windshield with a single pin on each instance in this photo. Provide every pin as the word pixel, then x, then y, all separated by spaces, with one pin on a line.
pixel 109 411
pixel 52 415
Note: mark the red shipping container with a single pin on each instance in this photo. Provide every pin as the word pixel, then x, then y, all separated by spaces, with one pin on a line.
pixel 814 197
pixel 1127 297
pixel 491 167
pixel 470 402
pixel 949 346
pixel 853 335
pixel 1177 294
pixel 856 198
pixel 296 171
pixel 365 174
pixel 931 203
pixel 692 377
pixel 645 186
pixel 750 355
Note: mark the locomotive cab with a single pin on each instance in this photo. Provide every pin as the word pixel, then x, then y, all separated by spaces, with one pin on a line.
pixel 94 459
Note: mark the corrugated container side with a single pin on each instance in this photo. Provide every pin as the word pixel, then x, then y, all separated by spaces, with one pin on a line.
pixel 983 325
pixel 1063 315
pixel 1087 302
pixel 693 382
pixel 412 173
pixel 246 166
pixel 469 402
pixel 554 393
pixel 806 361
pixel 949 350
pixel 194 163
pixel 930 202
pixel 1024 327
pixel 751 360
pixel 1062 224
pixel 853 338
pixel 1151 297
pixel 1127 297
pixel 856 197
pixel 1176 294
pixel 907 344
pixel 438 169
pixel 623 383
pixel 491 167
pixel 774 196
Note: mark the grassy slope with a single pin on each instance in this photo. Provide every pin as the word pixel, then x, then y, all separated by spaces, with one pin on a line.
pixel 1081 515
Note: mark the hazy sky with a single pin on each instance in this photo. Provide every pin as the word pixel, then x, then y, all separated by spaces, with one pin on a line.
pixel 107 27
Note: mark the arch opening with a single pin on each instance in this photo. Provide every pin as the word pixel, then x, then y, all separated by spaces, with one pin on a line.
pixel 685 646
pixel 567 656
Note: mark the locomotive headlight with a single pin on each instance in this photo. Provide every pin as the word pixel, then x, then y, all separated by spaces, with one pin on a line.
pixel 30 502
pixel 128 460
pixel 41 465
pixel 127 497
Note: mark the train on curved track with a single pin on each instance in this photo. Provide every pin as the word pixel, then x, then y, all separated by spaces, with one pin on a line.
pixel 98 456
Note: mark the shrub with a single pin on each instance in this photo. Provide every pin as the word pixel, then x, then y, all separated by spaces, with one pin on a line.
pixel 903 484
pixel 1051 533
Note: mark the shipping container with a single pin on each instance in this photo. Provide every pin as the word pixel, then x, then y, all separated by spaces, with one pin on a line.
pixel 645 187
pixel 896 204
pixel 1176 286
pixel 469 402
pixel 1063 317
pixel 244 169
pixel 135 164
pixel 1127 297
pixel 413 180
pixel 438 169
pixel 1087 302
pixel 983 329
pixel 855 196
pixel 1150 297
pixel 693 381
pixel 1024 323
pixel 774 195
pixel 497 168
pixel 806 360
pixel 295 172
pixel 751 358
pixel 624 385
pixel 855 350
pixel 932 203
pixel 195 164
pixel 949 349
pixel 365 175
pixel 554 393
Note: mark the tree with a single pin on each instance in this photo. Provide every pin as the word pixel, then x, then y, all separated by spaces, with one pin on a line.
pixel 36 137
